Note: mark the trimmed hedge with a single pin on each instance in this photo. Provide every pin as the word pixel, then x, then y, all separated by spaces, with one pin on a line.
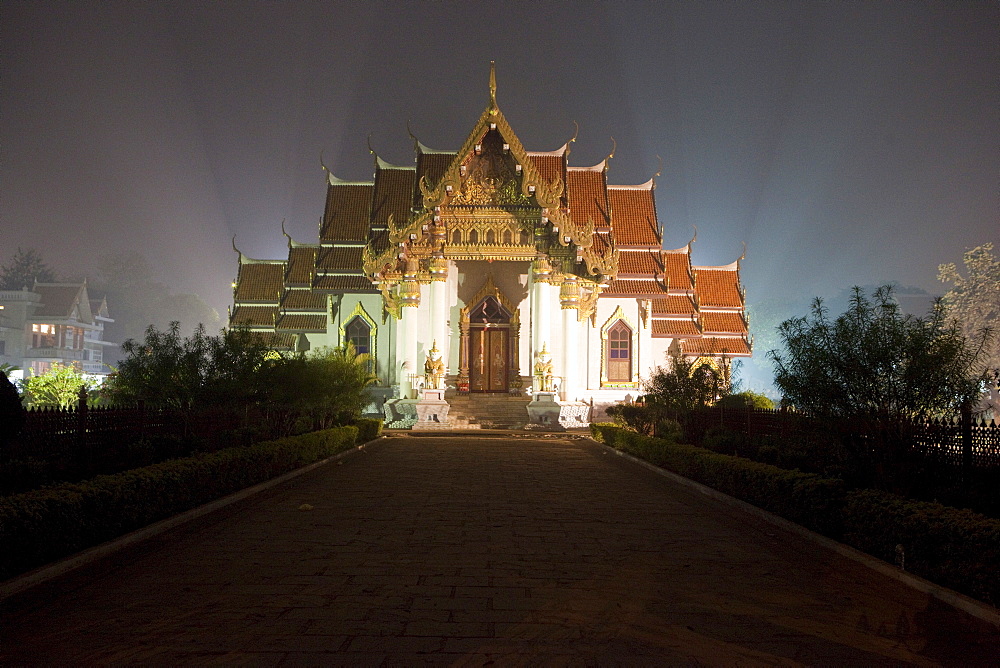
pixel 958 549
pixel 41 526
pixel 368 429
pixel 805 498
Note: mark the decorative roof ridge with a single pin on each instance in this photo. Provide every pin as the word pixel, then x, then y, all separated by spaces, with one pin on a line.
pixel 683 250
pixel 383 164
pixel 599 167
pixel 292 243
pixel 732 266
pixel 648 185
pixel 558 152
pixel 427 150
pixel 337 181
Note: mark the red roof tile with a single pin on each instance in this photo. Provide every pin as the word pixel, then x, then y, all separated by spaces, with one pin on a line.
pixel 339 259
pixel 260 282
pixel 301 323
pixel 393 195
pixel 718 287
pixel 347 208
pixel 639 262
pixel 633 216
pixel 586 196
pixel 303 300
pixel 253 316
pixel 723 323
pixel 550 167
pixel 343 284
pixel 301 261
pixel 731 346
pixel 674 305
pixel 675 328
pixel 677 267
pixel 627 287
pixel 276 341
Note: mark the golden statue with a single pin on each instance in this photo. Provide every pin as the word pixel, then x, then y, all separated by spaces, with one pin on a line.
pixel 543 369
pixel 434 369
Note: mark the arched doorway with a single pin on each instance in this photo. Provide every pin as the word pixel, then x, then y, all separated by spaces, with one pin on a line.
pixel 489 344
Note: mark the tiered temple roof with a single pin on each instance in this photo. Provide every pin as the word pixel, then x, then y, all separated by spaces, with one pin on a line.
pixel 609 235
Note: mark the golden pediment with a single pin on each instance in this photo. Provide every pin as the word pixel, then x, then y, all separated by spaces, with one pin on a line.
pixel 491 176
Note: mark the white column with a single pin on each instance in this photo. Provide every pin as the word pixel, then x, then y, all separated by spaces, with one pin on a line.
pixel 571 359
pixel 439 316
pixel 408 330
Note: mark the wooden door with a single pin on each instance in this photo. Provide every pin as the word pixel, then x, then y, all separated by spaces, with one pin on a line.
pixel 488 359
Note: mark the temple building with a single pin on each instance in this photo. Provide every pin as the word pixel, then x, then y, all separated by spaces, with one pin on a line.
pixel 495 270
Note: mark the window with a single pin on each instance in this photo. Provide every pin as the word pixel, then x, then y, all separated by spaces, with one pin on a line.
pixel 456 238
pixel 473 237
pixel 359 333
pixel 43 336
pixel 619 353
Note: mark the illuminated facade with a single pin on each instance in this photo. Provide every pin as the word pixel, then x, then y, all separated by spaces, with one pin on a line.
pixel 508 260
pixel 53 323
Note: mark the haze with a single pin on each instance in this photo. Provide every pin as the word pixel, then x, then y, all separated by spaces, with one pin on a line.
pixel 845 143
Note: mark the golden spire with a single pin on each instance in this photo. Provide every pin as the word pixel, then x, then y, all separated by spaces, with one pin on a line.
pixel 493 87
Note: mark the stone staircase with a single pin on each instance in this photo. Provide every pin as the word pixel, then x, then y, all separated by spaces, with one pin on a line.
pixel 487 411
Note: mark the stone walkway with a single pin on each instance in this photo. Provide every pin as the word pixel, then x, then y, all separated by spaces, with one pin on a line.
pixel 484 551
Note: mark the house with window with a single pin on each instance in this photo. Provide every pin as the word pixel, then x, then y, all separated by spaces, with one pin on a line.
pixel 526 273
pixel 53 323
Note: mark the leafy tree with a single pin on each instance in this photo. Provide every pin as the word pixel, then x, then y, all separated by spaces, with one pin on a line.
pixel 974 299
pixel 684 385
pixel 747 399
pixel 24 269
pixel 166 369
pixel 875 362
pixel 874 374
pixel 59 387
pixel 326 386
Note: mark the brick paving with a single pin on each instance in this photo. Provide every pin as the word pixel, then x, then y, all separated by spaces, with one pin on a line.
pixel 472 550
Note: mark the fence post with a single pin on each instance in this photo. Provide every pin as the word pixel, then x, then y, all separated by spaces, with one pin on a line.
pixel 81 426
pixel 966 440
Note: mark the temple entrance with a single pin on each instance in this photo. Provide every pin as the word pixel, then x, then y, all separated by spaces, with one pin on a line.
pixel 489 346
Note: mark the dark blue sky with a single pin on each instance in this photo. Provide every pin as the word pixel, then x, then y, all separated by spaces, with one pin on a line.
pixel 844 142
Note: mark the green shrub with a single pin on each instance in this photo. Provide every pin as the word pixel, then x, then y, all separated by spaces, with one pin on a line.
pixel 956 548
pixel 40 526
pixel 805 498
pixel 368 429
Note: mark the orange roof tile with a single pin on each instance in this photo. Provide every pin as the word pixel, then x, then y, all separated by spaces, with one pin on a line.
pixel 550 167
pixel 633 216
pixel 627 287
pixel 301 261
pixel 718 288
pixel 253 316
pixel 393 195
pixel 343 284
pixel 346 217
pixel 432 166
pixel 730 346
pixel 677 267
pixel 674 305
pixel 586 195
pixel 675 328
pixel 301 323
pixel 276 341
pixel 723 323
pixel 639 262
pixel 260 282
pixel 339 259
pixel 303 300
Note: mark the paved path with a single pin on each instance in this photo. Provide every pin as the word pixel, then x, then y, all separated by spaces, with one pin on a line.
pixel 485 551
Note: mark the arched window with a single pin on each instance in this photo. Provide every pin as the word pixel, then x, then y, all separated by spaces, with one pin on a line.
pixel 491 237
pixel 506 237
pixel 359 333
pixel 473 237
pixel 619 353
pixel 456 238
pixel 525 239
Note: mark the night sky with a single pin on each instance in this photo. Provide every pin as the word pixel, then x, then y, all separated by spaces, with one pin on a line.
pixel 844 142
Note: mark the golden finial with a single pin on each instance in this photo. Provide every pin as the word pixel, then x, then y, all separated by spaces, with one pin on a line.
pixel 234 246
pixel 287 235
pixel 607 161
pixel 743 256
pixel 416 142
pixel 493 86
pixel 660 169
